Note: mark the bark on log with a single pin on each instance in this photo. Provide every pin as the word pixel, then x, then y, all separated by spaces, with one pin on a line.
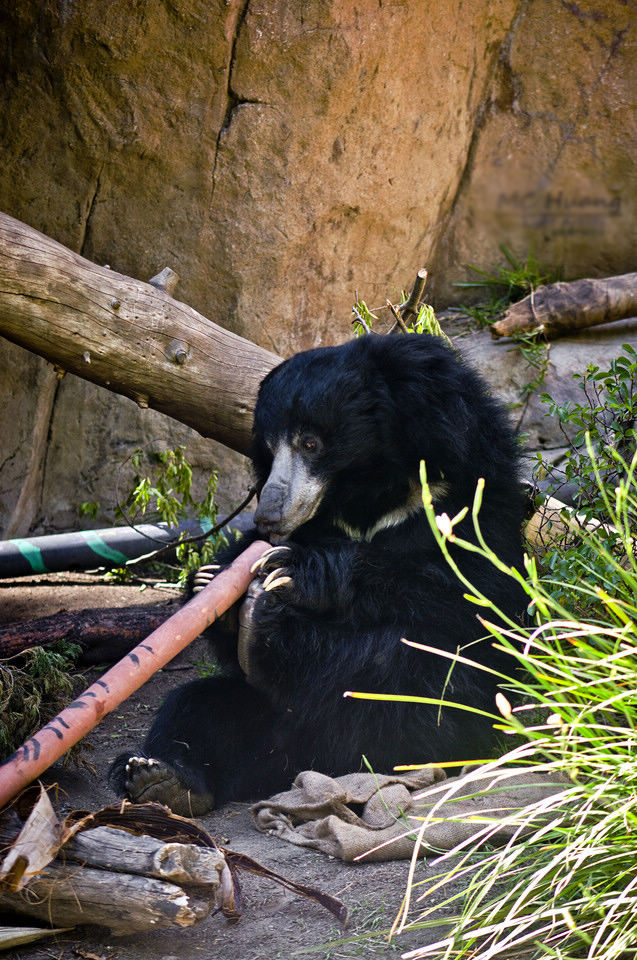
pixel 128 336
pixel 67 895
pixel 104 635
pixel 558 308
pixel 116 850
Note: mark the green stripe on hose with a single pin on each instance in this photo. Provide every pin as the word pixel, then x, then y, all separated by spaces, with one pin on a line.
pixel 102 549
pixel 33 555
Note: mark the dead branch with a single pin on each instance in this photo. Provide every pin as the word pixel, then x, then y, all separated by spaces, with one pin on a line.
pixel 70 894
pixel 561 307
pixel 103 635
pixel 410 308
pixel 128 336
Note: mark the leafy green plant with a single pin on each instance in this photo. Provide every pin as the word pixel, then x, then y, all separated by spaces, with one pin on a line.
pixel 162 491
pixel 601 436
pixel 424 322
pixel 88 508
pixel 205 667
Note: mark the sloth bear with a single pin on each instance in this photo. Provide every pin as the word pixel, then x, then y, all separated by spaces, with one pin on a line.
pixel 339 434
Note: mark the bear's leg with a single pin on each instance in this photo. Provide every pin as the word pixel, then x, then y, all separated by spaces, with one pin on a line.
pixel 213 740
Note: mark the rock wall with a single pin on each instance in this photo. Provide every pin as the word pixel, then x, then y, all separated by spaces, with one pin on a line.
pixel 551 167
pixel 283 156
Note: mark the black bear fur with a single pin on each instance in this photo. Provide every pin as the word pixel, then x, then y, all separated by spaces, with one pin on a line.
pixel 354 422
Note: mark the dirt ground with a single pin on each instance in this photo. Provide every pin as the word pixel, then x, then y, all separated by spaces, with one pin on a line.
pixel 275 923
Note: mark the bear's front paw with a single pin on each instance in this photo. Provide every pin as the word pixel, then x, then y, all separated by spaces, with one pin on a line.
pixel 149 780
pixel 204 576
pixel 291 575
pixel 274 568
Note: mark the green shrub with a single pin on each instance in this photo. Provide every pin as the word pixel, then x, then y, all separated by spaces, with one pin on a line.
pixel 34 687
pixel 505 285
pixel 162 492
pixel 607 414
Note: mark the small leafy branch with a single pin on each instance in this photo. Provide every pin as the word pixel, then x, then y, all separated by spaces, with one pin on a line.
pixel 412 315
pixel 424 322
pixel 162 491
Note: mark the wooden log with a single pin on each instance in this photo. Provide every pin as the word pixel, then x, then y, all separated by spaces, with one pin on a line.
pixel 67 895
pixel 559 308
pixel 128 336
pixel 116 850
pixel 104 635
pixel 104 876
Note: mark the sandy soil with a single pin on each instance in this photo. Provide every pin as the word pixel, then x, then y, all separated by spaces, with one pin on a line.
pixel 275 924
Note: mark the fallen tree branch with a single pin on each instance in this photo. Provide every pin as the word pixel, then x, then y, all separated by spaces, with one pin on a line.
pixel 128 336
pixel 103 635
pixel 558 308
pixel 124 903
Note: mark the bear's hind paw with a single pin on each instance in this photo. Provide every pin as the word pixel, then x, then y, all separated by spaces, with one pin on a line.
pixel 149 780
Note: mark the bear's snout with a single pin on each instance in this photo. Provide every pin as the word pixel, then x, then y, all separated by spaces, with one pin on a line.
pixel 291 495
pixel 269 514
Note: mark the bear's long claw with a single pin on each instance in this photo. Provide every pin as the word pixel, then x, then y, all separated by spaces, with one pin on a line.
pixel 204 576
pixel 279 572
pixel 267 556
pixel 279 582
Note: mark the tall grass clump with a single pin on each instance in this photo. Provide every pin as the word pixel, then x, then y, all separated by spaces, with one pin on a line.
pixel 565 884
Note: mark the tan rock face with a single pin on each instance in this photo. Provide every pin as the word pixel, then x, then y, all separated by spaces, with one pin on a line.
pixel 350 132
pixel 552 166
pixel 284 156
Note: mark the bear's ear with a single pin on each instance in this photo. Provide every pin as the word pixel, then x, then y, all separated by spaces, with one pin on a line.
pixel 436 400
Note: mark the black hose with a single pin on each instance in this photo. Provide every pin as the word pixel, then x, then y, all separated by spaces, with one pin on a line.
pixel 87 549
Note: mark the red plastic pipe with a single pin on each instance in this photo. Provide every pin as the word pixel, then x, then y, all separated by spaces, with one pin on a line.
pixel 126 676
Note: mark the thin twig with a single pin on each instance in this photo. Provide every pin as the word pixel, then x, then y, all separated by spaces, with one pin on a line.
pixel 361 320
pixel 200 536
pixel 397 317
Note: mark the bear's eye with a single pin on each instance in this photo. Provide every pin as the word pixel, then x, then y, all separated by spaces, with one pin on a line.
pixel 309 443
